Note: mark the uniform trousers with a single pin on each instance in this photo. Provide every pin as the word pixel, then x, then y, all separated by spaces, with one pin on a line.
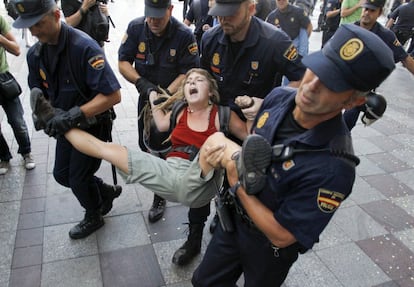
pixel 247 251
pixel 76 170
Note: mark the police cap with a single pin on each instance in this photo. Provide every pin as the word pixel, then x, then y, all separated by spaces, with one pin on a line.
pixel 31 11
pixel 225 7
pixel 374 4
pixel 354 58
pixel 156 8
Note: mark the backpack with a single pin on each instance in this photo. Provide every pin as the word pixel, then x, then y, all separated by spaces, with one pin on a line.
pixel 158 143
pixel 11 10
pixel 96 24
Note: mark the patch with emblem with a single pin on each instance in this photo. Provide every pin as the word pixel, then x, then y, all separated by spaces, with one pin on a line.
pixel 292 19
pixel 42 74
pixel 193 48
pixel 276 22
pixel 286 165
pixel 124 38
pixel 216 59
pixel 262 120
pixel 351 49
pixel 291 53
pixel 254 65
pixel 142 47
pixel 97 62
pixel 173 52
pixel 329 201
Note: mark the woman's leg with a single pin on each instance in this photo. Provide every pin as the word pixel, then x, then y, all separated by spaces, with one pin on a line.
pixel 88 144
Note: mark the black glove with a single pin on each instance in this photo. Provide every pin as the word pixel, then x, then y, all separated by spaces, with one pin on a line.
pixel 375 107
pixel 144 87
pixel 65 120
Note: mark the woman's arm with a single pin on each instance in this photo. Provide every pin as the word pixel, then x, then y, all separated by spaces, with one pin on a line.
pixel 161 119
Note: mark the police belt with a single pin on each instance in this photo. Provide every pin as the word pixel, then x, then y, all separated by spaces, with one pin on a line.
pixel 239 211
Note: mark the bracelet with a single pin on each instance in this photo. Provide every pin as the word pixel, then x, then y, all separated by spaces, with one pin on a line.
pixel 82 12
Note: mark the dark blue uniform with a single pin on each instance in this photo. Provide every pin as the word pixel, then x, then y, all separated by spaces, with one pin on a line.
pixel 404 25
pixel 290 21
pixel 172 54
pixel 331 23
pixel 198 14
pixel 303 193
pixel 250 67
pixel 49 71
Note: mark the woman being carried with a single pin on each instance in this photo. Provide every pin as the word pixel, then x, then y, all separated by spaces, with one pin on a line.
pixel 191 182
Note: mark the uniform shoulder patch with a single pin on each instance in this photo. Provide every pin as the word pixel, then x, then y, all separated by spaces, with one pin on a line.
pixel 329 201
pixel 97 62
pixel 193 48
pixel 291 53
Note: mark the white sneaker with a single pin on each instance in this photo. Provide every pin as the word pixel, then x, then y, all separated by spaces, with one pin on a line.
pixel 4 167
pixel 29 162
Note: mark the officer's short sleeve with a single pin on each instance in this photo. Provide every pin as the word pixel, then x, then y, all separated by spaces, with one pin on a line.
pixel 288 54
pixel 129 43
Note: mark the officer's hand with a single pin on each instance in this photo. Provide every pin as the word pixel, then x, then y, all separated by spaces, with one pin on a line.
pixel 144 87
pixel 64 121
pixel 214 155
pixel 244 102
pixel 250 113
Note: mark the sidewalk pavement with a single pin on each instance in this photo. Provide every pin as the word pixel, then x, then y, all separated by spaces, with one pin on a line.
pixel 370 241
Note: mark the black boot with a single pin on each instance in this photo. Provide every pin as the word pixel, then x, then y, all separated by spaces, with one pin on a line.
pixel 93 221
pixel 108 194
pixel 157 209
pixel 191 247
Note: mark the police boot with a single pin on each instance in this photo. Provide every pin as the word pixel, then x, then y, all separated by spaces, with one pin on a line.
pixel 191 247
pixel 108 194
pixel 92 221
pixel 157 209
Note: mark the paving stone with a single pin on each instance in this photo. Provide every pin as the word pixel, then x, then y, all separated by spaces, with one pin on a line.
pixel 26 276
pixel 31 220
pixel 59 246
pixel 7 239
pixel 84 271
pixel 27 256
pixel 122 232
pixel 364 271
pixel 9 214
pixel 29 237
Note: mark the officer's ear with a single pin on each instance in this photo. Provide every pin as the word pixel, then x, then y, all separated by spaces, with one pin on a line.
pixel 357 99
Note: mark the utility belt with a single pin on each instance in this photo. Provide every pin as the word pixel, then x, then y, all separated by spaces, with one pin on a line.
pixel 103 118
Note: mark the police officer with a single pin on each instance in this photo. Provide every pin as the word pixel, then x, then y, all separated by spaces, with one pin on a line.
pixel 157 51
pixel 371 10
pixel 302 188
pixel 332 19
pixel 237 54
pixel 198 15
pixel 291 19
pixel 55 63
pixel 402 22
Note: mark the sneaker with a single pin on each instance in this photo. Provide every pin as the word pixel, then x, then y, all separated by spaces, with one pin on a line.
pixel 91 222
pixel 109 193
pixel 29 162
pixel 157 209
pixel 252 163
pixel 41 108
pixel 4 167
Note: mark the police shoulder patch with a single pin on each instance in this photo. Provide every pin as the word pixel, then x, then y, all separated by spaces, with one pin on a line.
pixel 291 53
pixel 97 62
pixel 328 201
pixel 193 48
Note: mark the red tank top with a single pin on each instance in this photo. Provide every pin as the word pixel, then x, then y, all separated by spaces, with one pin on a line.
pixel 183 136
